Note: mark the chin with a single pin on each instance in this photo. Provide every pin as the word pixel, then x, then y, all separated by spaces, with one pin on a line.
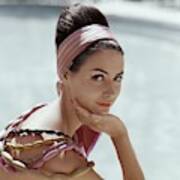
pixel 101 110
pixel 94 108
pixel 105 112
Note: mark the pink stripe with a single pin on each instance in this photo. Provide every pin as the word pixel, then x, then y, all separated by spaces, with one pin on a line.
pixel 83 38
pixel 77 42
pixel 55 152
pixel 78 48
pixel 81 31
pixel 64 48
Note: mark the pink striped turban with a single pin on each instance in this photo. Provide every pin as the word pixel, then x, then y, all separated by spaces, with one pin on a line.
pixel 77 42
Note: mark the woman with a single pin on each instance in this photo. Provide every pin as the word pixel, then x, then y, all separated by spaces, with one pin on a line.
pixel 53 141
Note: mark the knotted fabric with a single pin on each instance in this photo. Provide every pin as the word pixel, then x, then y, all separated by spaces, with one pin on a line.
pixel 77 42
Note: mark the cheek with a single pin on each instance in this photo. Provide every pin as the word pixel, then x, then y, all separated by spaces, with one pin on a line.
pixel 88 87
pixel 87 94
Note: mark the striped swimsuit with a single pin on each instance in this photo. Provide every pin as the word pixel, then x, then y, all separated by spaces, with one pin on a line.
pixel 16 155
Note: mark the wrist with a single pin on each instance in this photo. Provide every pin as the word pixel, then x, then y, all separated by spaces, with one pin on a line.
pixel 120 134
pixel 120 130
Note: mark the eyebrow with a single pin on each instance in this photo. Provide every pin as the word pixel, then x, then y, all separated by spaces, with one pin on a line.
pixel 103 71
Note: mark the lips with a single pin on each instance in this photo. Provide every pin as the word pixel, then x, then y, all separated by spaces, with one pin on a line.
pixel 106 104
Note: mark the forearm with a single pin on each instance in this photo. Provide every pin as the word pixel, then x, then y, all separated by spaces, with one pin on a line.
pixel 127 158
pixel 24 175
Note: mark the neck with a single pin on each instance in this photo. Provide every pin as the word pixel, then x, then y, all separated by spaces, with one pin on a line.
pixel 69 122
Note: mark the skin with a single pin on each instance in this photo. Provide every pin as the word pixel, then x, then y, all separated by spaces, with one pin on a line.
pixel 96 84
pixel 77 105
pixel 89 86
pixel 107 87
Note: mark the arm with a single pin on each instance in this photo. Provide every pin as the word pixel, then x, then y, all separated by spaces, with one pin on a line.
pixel 30 174
pixel 92 174
pixel 130 166
pixel 115 128
pixel 68 165
pixel 76 167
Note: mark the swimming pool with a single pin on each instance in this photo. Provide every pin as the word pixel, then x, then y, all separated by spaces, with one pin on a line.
pixel 149 103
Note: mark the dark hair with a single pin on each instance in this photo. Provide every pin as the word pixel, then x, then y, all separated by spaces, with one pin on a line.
pixel 73 18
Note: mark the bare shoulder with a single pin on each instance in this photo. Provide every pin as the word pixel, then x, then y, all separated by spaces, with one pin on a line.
pixel 44 118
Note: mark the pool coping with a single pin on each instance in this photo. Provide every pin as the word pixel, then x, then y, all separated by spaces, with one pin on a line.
pixel 134 12
pixel 36 2
pixel 143 13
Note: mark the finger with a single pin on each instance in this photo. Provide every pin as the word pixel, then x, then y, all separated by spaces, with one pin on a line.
pixel 86 113
pixel 88 118
pixel 83 111
pixel 83 116
pixel 81 107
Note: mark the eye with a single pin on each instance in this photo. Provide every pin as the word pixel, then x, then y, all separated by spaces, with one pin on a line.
pixel 98 77
pixel 119 78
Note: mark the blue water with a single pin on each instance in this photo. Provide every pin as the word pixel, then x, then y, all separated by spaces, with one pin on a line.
pixel 149 103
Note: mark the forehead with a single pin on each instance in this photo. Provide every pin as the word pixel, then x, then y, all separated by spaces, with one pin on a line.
pixel 110 60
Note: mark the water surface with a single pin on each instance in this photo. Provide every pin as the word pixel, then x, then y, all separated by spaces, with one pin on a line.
pixel 149 103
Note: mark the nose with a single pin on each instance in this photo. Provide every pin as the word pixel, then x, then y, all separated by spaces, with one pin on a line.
pixel 110 90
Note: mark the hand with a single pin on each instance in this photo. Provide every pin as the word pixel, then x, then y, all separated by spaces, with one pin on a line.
pixel 107 123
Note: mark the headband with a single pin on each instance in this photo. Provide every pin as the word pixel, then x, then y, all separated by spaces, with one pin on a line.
pixel 77 42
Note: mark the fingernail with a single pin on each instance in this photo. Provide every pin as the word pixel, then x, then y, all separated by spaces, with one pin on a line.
pixel 75 101
pixel 72 101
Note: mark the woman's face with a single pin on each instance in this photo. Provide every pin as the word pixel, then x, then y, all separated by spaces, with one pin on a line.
pixel 98 81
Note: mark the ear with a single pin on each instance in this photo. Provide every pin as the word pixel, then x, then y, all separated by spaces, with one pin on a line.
pixel 67 75
pixel 65 79
pixel 59 87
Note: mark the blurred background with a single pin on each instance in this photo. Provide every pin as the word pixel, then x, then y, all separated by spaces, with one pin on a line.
pixel 149 32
